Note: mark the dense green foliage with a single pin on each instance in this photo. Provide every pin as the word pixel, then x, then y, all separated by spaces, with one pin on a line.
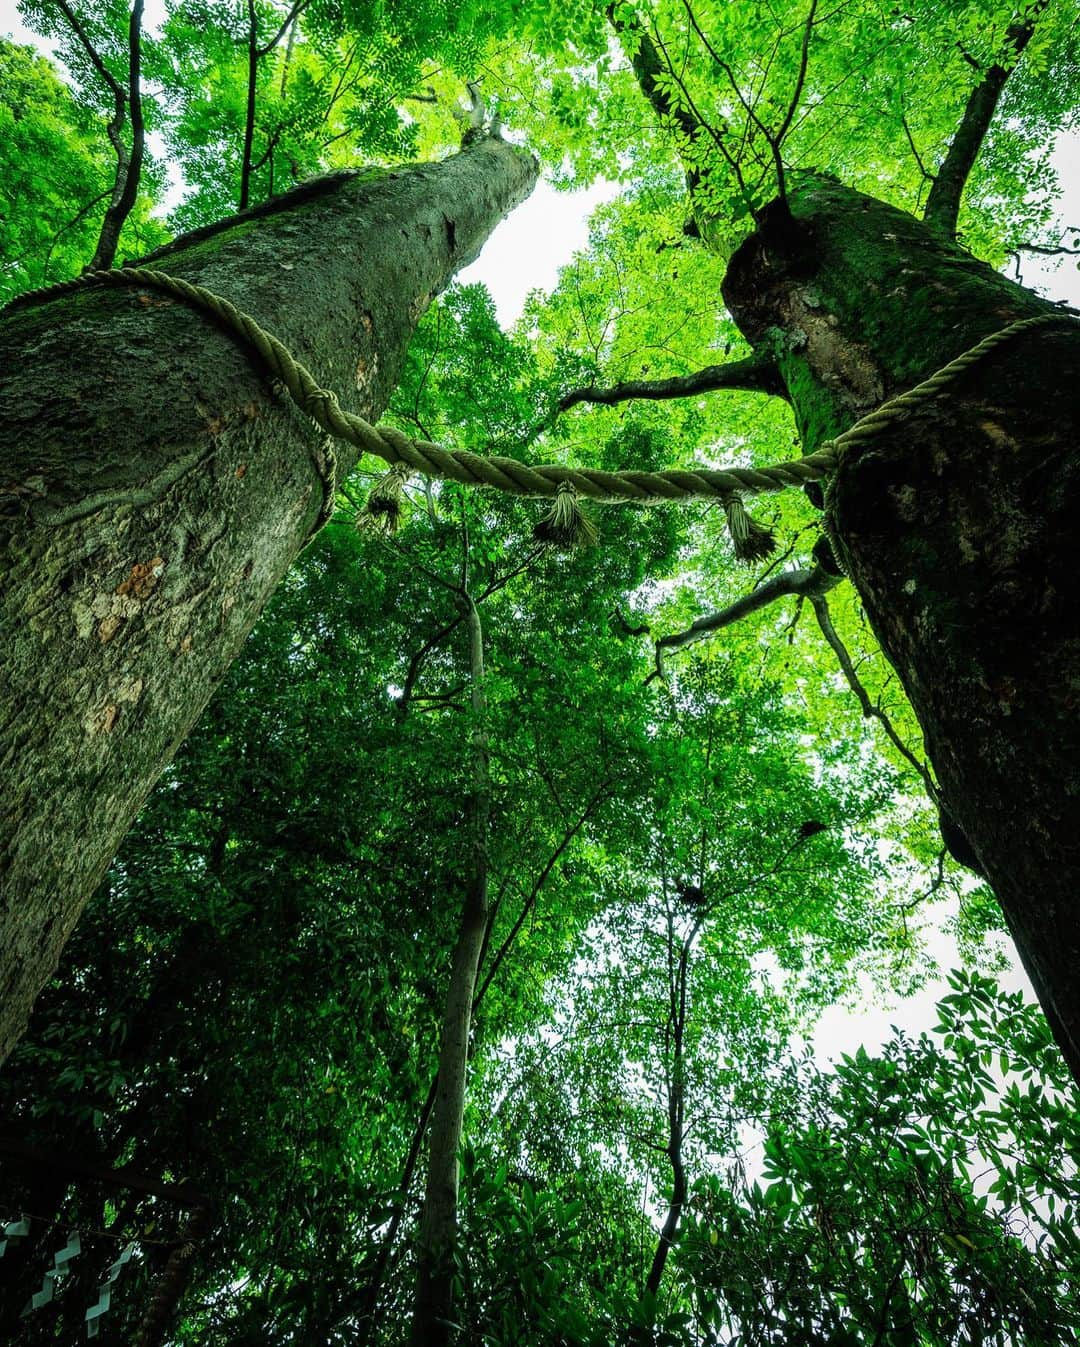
pixel 51 155
pixel 686 870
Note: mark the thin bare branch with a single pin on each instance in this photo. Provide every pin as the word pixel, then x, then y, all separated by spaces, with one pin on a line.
pixel 290 18
pixel 80 214
pixel 927 175
pixel 127 104
pixel 115 87
pixel 800 81
pixel 571 831
pixel 869 709
pixel 1046 250
pixel 249 108
pixel 802 584
pixel 755 374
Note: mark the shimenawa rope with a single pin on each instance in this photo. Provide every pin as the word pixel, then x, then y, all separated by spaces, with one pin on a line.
pixel 544 480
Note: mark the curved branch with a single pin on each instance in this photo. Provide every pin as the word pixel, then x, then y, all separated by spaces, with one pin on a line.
pixel 107 77
pixel 943 202
pixel 811 584
pixel 755 374
pixel 128 164
pixel 820 606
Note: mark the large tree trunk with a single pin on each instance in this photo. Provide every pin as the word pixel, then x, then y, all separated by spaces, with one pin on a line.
pixel 154 489
pixel 958 528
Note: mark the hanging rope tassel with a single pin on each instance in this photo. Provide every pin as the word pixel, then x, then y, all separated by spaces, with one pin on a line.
pixel 382 513
pixel 565 524
pixel 752 541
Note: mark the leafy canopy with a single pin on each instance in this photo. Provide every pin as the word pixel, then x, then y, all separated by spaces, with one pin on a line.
pixel 685 871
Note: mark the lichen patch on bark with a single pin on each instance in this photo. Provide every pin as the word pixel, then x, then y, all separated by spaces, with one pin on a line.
pixel 143 578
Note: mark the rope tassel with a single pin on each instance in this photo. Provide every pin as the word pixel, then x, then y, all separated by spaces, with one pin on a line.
pixel 382 513
pixel 752 541
pixel 565 524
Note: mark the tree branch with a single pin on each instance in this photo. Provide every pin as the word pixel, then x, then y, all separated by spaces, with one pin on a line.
pixel 366 1300
pixel 80 214
pixel 128 165
pixel 619 621
pixel 125 101
pixel 271 146
pixel 943 202
pixel 249 105
pixel 820 606
pixel 293 14
pixel 810 584
pixel 1046 250
pixel 647 67
pixel 755 374
pixel 774 139
pixel 927 175
pixel 598 798
pixel 813 585
pixel 114 85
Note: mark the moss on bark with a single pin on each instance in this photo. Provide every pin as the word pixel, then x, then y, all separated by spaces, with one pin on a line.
pixel 957 526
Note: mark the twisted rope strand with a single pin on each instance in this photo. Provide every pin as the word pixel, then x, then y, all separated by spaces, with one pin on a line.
pixel 512 475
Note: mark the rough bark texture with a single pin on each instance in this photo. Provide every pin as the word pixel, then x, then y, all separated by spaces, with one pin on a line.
pixel 958 528
pixel 154 489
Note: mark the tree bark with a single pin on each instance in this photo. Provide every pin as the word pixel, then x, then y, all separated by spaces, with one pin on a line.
pixel 957 526
pixel 154 489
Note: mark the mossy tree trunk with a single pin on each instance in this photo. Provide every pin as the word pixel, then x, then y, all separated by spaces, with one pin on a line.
pixel 154 489
pixel 958 527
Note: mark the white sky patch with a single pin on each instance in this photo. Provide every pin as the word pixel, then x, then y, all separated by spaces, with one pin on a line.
pixel 526 251
pixel 12 26
pixel 1059 277
pixel 842 1029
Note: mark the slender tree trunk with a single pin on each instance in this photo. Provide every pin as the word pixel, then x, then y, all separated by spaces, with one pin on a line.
pixel 368 1299
pixel 958 528
pixel 125 189
pixel 154 489
pixel 249 106
pixel 432 1325
pixel 678 994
